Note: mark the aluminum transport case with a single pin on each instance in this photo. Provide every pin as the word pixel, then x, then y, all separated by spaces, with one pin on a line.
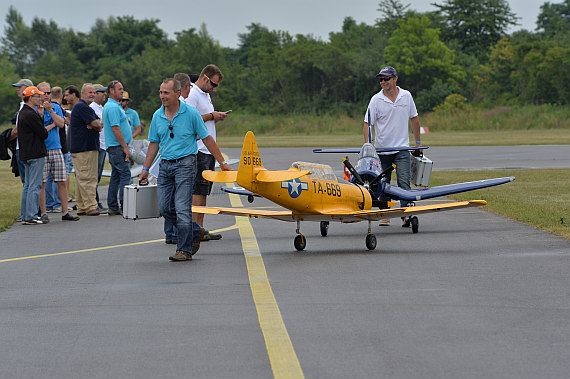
pixel 421 171
pixel 140 202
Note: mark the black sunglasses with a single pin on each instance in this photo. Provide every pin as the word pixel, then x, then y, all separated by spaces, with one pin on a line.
pixel 47 93
pixel 112 84
pixel 171 133
pixel 386 79
pixel 212 83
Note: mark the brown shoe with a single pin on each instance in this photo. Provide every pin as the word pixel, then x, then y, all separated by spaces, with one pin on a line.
pixel 93 212
pixel 181 256
pixel 210 236
pixel 196 242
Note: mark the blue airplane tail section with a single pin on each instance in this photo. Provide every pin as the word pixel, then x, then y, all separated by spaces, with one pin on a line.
pixel 428 193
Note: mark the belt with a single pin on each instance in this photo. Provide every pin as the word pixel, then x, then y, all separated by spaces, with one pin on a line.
pixel 177 160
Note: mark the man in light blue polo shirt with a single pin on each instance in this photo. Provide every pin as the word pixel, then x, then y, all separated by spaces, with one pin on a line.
pixel 118 135
pixel 173 130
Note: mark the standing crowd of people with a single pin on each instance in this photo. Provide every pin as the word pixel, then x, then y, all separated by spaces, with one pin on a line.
pixel 57 131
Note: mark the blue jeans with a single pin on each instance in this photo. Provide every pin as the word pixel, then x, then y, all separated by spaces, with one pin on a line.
pixel 52 194
pixel 22 170
pixel 120 177
pixel 101 164
pixel 34 172
pixel 170 232
pixel 175 189
pixel 402 161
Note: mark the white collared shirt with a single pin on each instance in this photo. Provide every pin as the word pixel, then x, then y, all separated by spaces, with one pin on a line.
pixel 99 112
pixel 203 103
pixel 391 119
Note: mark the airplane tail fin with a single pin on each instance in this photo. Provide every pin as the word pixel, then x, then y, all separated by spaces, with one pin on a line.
pixel 250 161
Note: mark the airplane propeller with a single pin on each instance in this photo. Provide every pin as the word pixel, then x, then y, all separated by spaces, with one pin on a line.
pixel 353 171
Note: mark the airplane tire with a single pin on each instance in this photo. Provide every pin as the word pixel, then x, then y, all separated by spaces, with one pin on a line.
pixel 300 242
pixel 415 224
pixel 371 241
pixel 324 228
pixel 250 198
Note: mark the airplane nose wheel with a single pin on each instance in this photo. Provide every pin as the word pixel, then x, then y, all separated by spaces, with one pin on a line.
pixel 324 228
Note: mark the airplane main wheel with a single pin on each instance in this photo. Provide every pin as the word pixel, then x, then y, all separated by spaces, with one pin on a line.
pixel 300 242
pixel 415 224
pixel 324 228
pixel 250 198
pixel 371 241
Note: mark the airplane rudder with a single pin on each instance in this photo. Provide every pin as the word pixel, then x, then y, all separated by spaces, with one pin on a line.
pixel 250 158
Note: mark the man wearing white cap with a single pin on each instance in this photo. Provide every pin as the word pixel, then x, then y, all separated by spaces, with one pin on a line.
pixel 97 106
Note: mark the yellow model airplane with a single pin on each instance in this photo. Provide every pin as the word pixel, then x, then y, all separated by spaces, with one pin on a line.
pixel 310 192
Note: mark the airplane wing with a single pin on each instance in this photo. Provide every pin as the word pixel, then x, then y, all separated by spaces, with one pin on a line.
pixel 220 176
pixel 349 216
pixel 428 193
pixel 250 212
pixel 378 149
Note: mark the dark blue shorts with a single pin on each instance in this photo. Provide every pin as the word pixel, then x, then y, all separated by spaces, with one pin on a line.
pixel 203 162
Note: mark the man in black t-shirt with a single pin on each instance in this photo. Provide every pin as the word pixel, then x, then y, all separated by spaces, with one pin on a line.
pixel 84 131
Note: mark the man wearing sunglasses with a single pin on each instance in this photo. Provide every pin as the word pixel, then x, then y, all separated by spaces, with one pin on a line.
pixel 174 129
pixel 390 110
pixel 210 78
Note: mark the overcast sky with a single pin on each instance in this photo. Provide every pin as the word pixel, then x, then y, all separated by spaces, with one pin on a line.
pixel 224 19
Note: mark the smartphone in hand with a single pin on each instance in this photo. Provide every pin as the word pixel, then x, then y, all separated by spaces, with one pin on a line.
pixel 228 112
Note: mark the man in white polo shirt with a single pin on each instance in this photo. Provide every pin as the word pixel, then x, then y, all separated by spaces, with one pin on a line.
pixel 199 97
pixel 390 111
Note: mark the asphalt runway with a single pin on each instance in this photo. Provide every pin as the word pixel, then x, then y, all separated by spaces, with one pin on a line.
pixel 471 295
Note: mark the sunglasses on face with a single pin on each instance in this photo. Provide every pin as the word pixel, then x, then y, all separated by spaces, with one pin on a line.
pixel 171 133
pixel 211 82
pixel 386 79
pixel 47 93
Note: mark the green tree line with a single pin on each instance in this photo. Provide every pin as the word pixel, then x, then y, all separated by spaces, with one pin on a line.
pixel 461 50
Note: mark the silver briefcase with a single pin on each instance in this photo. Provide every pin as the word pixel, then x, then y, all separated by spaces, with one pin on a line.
pixel 421 170
pixel 140 202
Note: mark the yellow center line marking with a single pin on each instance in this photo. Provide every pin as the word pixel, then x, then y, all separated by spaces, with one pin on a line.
pixel 282 356
pixel 80 251
pixel 235 226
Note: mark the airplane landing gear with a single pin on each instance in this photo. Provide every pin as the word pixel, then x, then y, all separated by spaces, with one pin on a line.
pixel 371 241
pixel 300 241
pixel 324 228
pixel 415 224
pixel 370 238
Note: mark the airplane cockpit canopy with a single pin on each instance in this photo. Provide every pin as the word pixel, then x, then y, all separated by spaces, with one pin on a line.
pixel 368 151
pixel 318 170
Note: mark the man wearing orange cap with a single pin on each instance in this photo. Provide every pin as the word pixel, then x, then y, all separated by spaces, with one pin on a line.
pixel 31 136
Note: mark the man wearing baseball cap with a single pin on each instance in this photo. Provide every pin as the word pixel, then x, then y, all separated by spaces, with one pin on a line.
pixel 20 86
pixel 31 137
pixel 97 106
pixel 132 115
pixel 390 110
